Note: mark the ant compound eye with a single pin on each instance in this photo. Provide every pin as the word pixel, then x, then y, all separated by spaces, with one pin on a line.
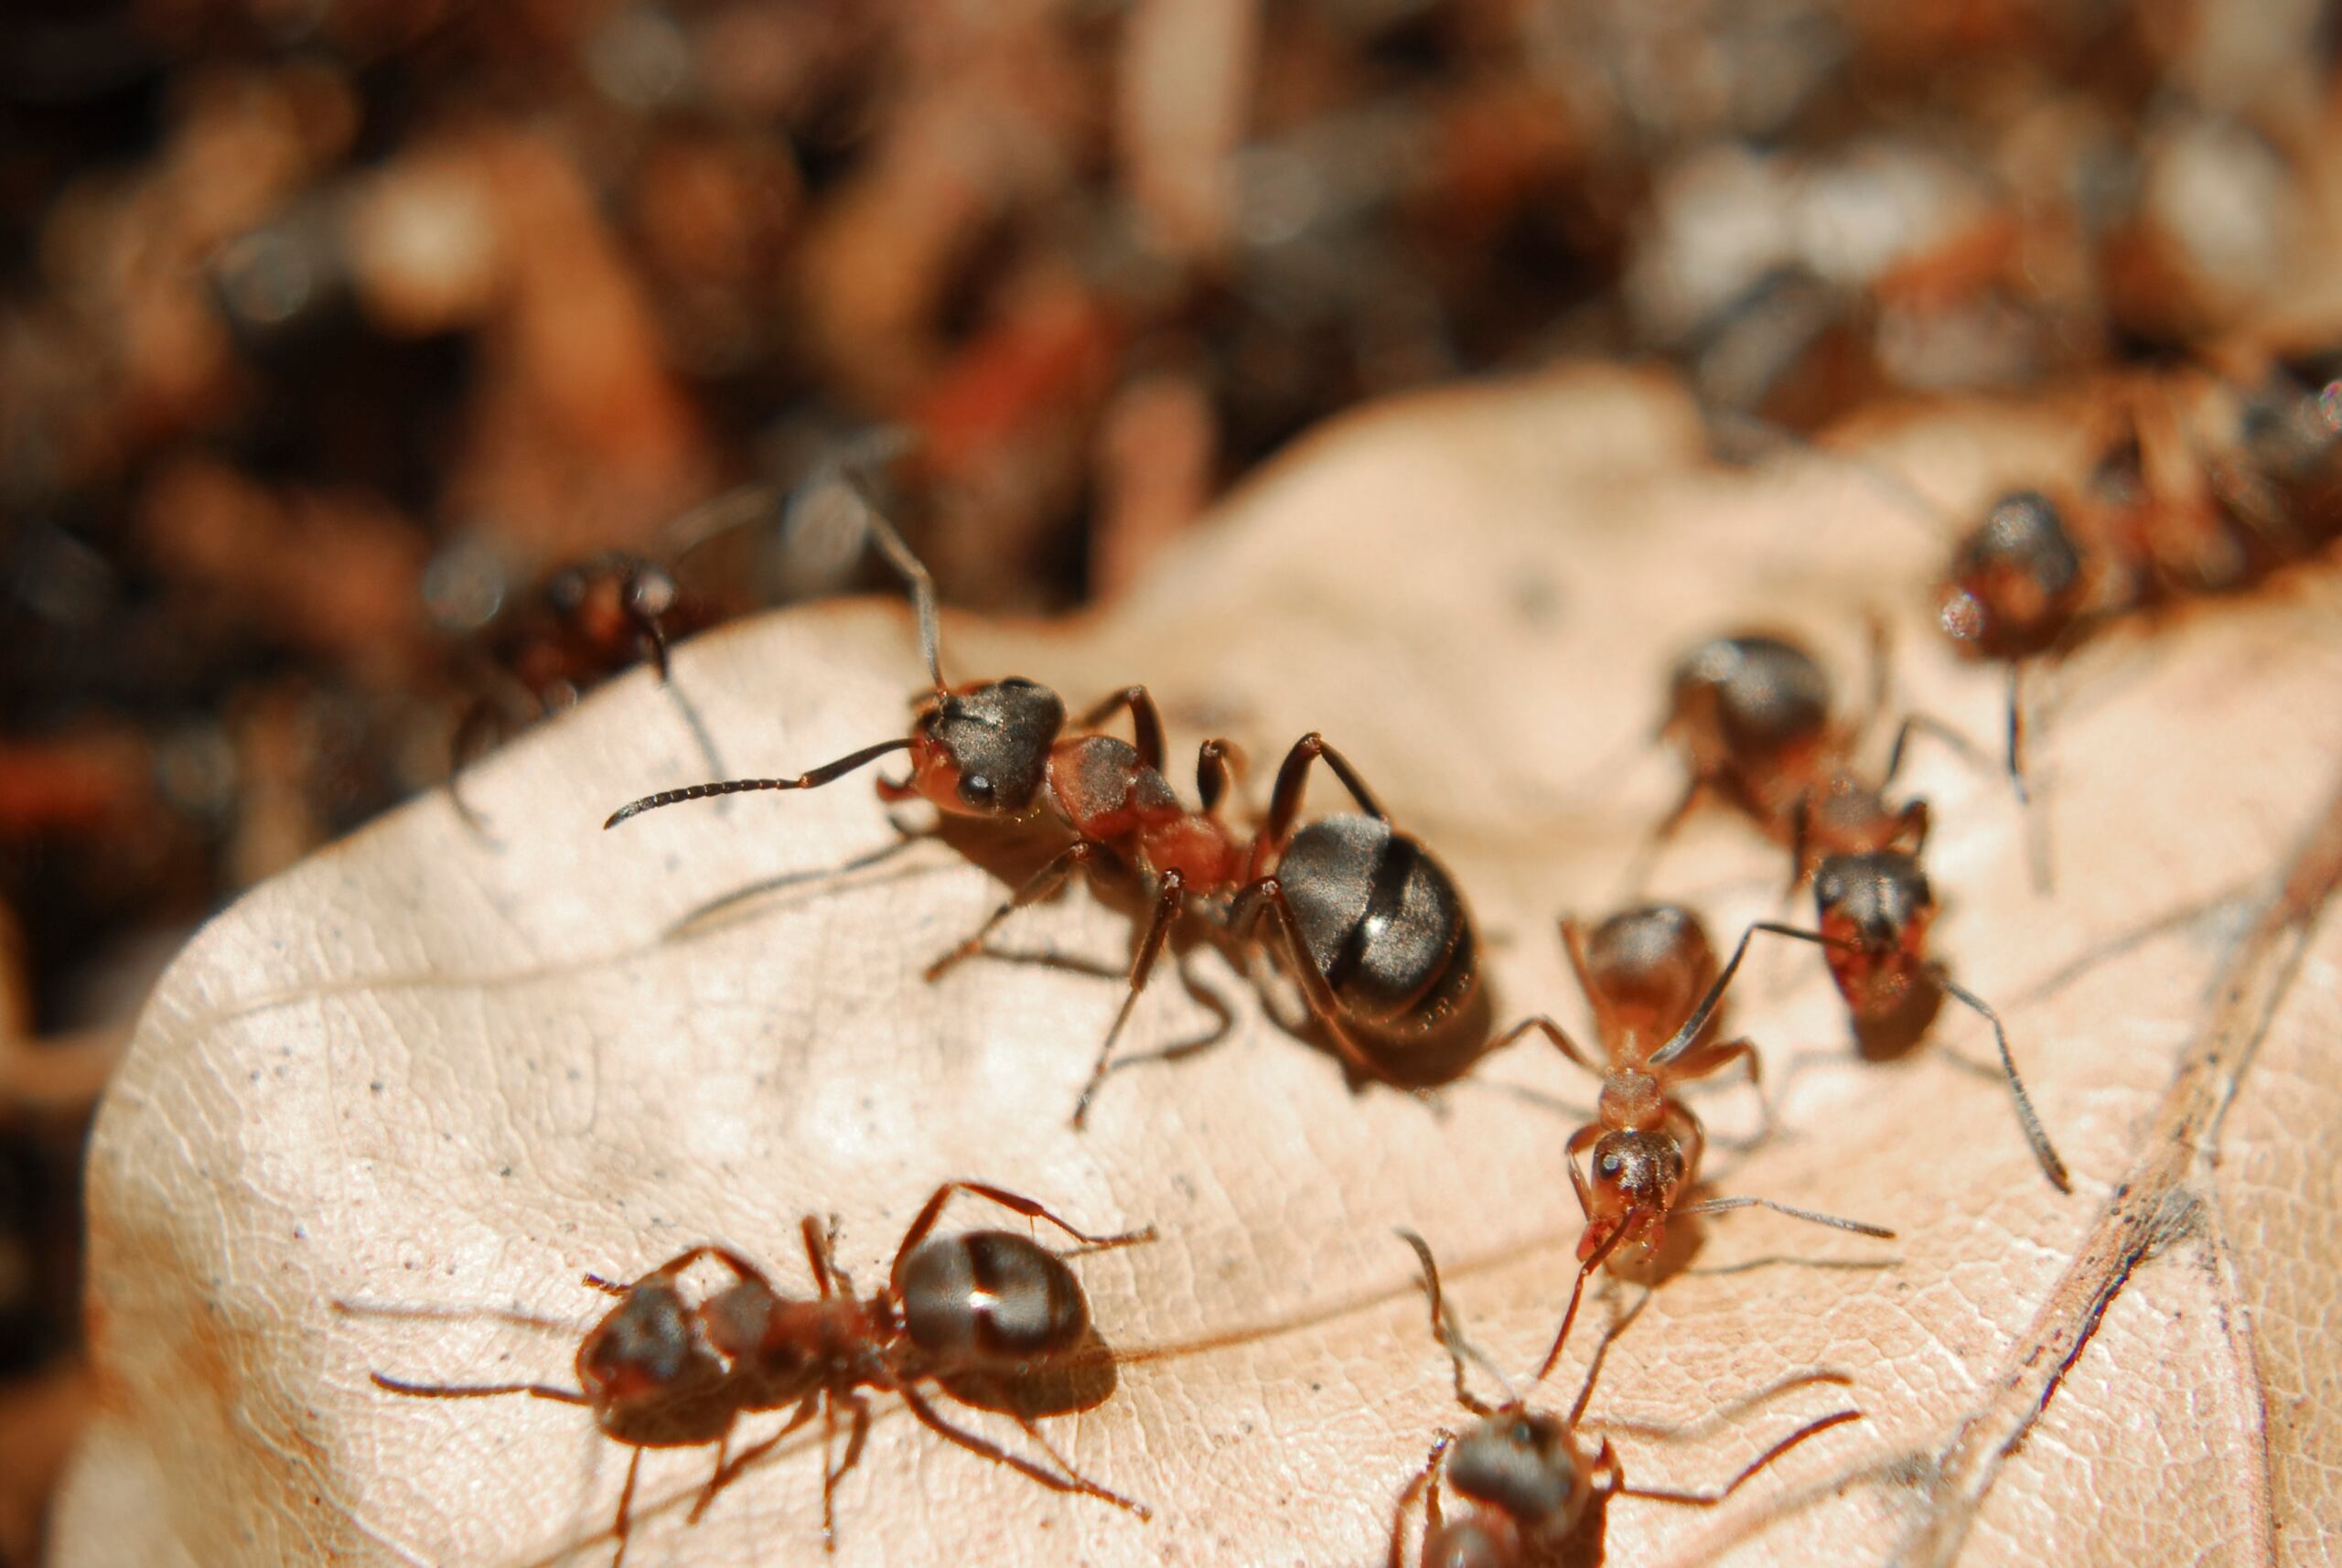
pixel 1610 1165
pixel 975 790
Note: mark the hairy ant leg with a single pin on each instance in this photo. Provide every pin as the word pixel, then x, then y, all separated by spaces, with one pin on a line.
pixel 1042 885
pixel 975 1443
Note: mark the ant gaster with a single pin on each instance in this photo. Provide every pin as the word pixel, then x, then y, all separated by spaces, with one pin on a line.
pixel 990 1316
pixel 1370 925
pixel 1529 1489
pixel 1649 974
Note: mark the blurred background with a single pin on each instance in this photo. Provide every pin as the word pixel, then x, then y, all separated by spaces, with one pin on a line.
pixel 375 375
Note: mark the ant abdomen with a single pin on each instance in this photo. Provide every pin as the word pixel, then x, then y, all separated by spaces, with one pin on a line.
pixel 1384 924
pixel 990 1296
pixel 2016 582
pixel 1751 698
pixel 1650 965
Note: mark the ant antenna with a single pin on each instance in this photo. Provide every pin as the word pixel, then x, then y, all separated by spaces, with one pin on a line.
pixel 1451 1337
pixel 1706 1010
pixel 813 780
pixel 851 466
pixel 2051 1165
pixel 1601 1354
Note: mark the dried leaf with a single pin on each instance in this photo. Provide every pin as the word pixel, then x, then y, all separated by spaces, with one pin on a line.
pixel 427 1069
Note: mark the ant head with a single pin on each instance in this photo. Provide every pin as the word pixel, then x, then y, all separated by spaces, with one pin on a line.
pixel 1636 1176
pixel 1874 913
pixel 984 750
pixel 647 1350
pixel 2015 582
pixel 1651 964
pixel 1747 697
pixel 990 1296
pixel 1527 1464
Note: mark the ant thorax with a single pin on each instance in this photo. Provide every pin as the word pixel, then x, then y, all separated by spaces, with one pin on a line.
pixel 1632 1101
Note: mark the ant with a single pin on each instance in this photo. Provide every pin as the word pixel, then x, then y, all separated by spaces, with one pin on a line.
pixel 2158 522
pixel 991 1318
pixel 1751 715
pixel 1370 925
pixel 1649 974
pixel 1531 1491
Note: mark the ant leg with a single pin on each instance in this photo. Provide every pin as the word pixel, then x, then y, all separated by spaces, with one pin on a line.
pixel 646 592
pixel 2051 1165
pixel 1044 884
pixel 726 1474
pixel 828 773
pixel 1723 1415
pixel 1015 1202
pixel 1451 1337
pixel 1929 725
pixel 1205 998
pixel 817 1256
pixel 1695 1025
pixel 1169 898
pixel 1638 869
pixel 1292 778
pixel 855 1436
pixel 624 1525
pixel 1715 1059
pixel 1032 1430
pixel 1424 1486
pixel 1146 721
pixel 2016 732
pixel 1554 1032
pixel 828 1477
pixel 1619 1489
pixel 1319 996
pixel 475 1390
pixel 985 1447
pixel 1218 763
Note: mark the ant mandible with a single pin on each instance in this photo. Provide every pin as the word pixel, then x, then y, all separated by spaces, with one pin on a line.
pixel 1751 714
pixel 1649 974
pixel 1530 1488
pixel 1371 925
pixel 991 1318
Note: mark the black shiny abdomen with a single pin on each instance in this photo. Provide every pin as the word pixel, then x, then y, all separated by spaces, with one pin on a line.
pixel 991 1295
pixel 1383 921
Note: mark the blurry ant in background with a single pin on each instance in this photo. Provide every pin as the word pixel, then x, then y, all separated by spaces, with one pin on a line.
pixel 1532 1492
pixel 1649 974
pixel 1371 926
pixel 992 1319
pixel 1751 714
pixel 595 619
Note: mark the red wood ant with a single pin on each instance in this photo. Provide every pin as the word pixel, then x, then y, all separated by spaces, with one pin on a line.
pixel 2158 522
pixel 1751 715
pixel 1369 924
pixel 1649 974
pixel 1531 1490
pixel 990 1317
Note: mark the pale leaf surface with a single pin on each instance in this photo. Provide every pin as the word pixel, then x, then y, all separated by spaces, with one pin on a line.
pixel 425 1070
